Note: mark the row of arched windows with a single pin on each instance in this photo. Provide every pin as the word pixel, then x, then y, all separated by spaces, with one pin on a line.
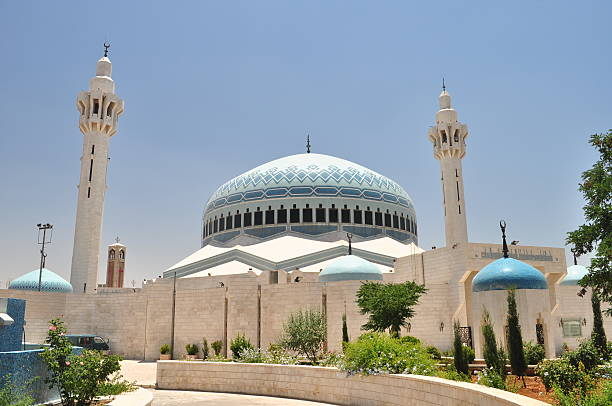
pixel 308 214
pixel 112 254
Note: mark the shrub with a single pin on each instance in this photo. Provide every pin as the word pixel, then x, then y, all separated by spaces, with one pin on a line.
pixel 305 332
pixel 559 373
pixel 345 335
pixel 459 356
pixel 468 354
pixel 601 397
pixel 410 340
pixel 13 395
pixel 492 378
pixel 451 373
pixel 277 355
pixel 205 349
pixel 332 359
pixel 217 346
pixel 379 353
pixel 534 353
pixel 239 344
pixel 586 353
pixel 493 353
pixel 251 355
pixel 515 339
pixel 434 352
pixel 192 349
pixel 80 378
pixel 164 349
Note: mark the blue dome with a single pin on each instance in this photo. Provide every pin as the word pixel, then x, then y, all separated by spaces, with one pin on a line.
pixel 574 274
pixel 505 273
pixel 50 282
pixel 350 268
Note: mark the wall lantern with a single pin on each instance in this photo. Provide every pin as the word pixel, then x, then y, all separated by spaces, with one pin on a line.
pixel 441 326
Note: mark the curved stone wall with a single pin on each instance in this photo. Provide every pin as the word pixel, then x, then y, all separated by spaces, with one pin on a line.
pixel 329 385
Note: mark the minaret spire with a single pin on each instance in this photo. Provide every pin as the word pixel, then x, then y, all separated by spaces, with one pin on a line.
pixel 349 237
pixel 502 225
pixel 448 139
pixel 99 109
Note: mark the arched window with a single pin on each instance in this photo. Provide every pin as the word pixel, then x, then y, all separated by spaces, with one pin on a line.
pixel 111 254
pixel 121 254
pixel 444 140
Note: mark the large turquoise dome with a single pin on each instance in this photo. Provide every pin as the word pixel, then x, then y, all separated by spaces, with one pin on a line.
pixel 574 274
pixel 50 282
pixel 505 273
pixel 350 268
pixel 308 195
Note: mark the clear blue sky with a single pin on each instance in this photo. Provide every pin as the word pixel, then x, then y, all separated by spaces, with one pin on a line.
pixel 213 89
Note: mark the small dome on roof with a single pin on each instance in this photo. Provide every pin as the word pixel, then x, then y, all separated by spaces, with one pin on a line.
pixel 50 282
pixel 574 274
pixel 350 268
pixel 505 273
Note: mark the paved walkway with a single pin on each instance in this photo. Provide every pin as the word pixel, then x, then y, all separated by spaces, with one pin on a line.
pixel 181 398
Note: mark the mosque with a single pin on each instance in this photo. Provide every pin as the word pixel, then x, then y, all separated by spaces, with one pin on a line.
pixel 302 231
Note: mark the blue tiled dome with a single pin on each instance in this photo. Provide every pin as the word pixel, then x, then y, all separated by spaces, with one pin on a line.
pixel 50 282
pixel 574 274
pixel 505 273
pixel 350 268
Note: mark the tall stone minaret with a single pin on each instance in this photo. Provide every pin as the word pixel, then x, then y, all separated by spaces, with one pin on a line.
pixel 448 138
pixel 99 110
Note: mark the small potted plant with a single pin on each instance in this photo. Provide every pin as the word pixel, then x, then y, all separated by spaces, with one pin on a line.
pixel 217 346
pixel 164 352
pixel 192 351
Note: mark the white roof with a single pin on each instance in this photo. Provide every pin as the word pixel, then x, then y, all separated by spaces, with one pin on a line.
pixel 228 268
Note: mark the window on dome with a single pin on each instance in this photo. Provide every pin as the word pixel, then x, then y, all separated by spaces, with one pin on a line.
pixel 345 215
pixel 294 215
pixel 258 218
pixel 215 225
pixel 221 223
pixel 307 215
pixel 333 215
pixel 237 222
pixel 387 220
pixel 320 215
pixel 572 328
pixel 395 221
pixel 378 218
pixel 229 222
pixel 248 219
pixel 357 219
pixel 281 216
pixel 269 216
pixel 402 222
pixel 368 217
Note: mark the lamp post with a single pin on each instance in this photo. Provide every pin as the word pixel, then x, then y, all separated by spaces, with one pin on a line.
pixel 42 241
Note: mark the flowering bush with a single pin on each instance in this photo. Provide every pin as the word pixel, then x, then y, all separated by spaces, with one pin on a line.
pixel 379 353
pixel 239 344
pixel 451 373
pixel 600 397
pixel 562 375
pixel 274 355
pixel 332 359
pixel 586 353
pixel 80 378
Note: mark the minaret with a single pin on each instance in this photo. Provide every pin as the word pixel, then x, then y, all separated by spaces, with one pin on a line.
pixel 448 138
pixel 115 268
pixel 99 110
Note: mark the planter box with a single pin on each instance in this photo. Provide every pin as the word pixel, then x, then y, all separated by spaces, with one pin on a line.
pixel 164 357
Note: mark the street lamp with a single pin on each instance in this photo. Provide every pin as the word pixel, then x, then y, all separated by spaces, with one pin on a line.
pixel 42 240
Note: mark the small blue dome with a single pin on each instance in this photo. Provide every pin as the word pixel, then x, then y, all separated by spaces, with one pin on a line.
pixel 350 268
pixel 50 282
pixel 505 273
pixel 574 274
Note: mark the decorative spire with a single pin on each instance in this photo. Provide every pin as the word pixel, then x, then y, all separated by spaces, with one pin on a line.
pixel 106 46
pixel 349 237
pixel 443 85
pixel 502 225
pixel 117 240
pixel 308 144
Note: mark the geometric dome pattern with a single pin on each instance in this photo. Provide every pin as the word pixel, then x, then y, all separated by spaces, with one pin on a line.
pixel 350 268
pixel 50 282
pixel 308 175
pixel 506 273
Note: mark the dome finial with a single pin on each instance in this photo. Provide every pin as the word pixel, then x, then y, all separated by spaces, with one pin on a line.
pixel 349 237
pixel 106 46
pixel 443 85
pixel 308 144
pixel 502 225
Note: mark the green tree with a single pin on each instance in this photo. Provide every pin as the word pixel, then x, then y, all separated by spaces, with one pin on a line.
pixel 461 364
pixel 596 233
pixel 598 335
pixel 494 355
pixel 345 335
pixel 239 344
pixel 389 306
pixel 305 332
pixel 515 339
pixel 205 349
